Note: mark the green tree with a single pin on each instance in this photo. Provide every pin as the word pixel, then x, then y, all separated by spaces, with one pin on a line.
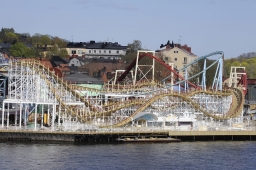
pixel 41 40
pixel 63 53
pixel 45 40
pixel 36 39
pixel 20 49
pixel 11 37
pixel 59 42
pixel 6 30
pixel 198 67
pixel 55 51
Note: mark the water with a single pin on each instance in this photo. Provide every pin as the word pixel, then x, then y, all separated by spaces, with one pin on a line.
pixel 185 155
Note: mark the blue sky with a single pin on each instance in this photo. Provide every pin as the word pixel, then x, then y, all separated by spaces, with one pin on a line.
pixel 204 25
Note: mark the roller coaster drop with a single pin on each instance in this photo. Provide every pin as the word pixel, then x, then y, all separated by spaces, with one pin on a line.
pixel 36 93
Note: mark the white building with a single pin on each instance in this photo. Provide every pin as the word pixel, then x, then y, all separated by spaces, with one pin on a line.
pixel 98 50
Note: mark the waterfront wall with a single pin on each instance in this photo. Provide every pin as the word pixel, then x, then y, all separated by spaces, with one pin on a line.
pixel 109 136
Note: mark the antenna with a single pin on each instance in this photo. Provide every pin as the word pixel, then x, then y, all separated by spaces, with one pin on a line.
pixel 180 40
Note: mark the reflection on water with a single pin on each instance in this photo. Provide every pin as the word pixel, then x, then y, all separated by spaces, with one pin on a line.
pixel 184 155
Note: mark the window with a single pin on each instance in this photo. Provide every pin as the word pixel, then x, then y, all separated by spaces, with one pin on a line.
pixel 104 51
pixel 73 52
pixel 175 59
pixel 109 51
pixel 175 51
pixel 99 51
pixel 117 51
pixel 89 51
pixel 166 58
pixel 185 60
pixel 79 51
pixel 94 51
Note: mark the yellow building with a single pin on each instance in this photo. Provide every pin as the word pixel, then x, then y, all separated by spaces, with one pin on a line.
pixel 179 55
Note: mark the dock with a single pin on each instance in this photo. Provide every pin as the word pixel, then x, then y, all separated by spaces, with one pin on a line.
pixel 112 136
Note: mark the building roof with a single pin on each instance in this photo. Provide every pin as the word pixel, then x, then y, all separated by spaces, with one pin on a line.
pixel 76 45
pixel 46 63
pixel 96 60
pixel 97 45
pixel 5 45
pixel 79 78
pixel 169 46
pixel 57 60
pixel 183 50
pixel 72 68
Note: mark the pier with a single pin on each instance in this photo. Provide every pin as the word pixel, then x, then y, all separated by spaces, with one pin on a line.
pixel 112 135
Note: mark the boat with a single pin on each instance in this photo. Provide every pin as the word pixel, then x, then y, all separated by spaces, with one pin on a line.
pixel 151 139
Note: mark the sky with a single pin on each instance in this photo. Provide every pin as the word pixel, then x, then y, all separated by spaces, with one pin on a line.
pixel 204 25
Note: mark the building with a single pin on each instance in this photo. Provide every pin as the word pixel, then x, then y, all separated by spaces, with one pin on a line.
pixel 97 50
pixel 83 80
pixel 77 61
pixel 5 47
pixel 104 70
pixel 177 54
pixel 76 49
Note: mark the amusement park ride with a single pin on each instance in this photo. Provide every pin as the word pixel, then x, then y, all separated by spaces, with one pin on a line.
pixel 36 93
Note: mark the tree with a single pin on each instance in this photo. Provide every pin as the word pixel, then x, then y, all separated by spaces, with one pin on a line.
pixel 41 40
pixel 45 40
pixel 36 39
pixel 19 49
pixel 11 37
pixel 6 30
pixel 59 42
pixel 55 51
pixel 198 67
pixel 131 52
pixel 134 46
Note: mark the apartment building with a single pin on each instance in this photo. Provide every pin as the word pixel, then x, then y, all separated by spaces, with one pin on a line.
pixel 177 54
pixel 97 50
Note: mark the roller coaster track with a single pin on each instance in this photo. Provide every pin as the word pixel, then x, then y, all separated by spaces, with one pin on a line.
pixel 142 104
pixel 121 105
pixel 120 88
pixel 235 108
pixel 198 59
pixel 44 76
pixel 158 60
pixel 39 68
